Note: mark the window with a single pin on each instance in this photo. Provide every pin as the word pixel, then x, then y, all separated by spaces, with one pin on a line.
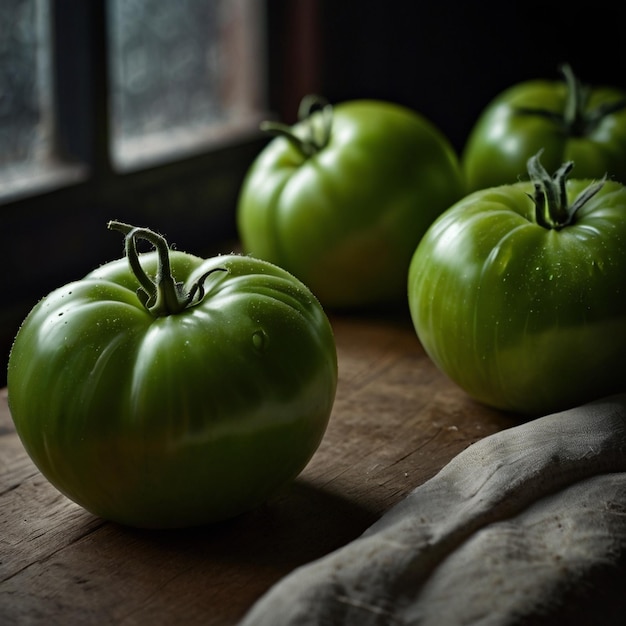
pixel 181 77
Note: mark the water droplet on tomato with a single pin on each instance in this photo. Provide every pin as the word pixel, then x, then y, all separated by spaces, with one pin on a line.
pixel 260 340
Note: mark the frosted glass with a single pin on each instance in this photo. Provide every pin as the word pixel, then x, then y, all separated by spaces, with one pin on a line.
pixel 182 73
pixel 25 88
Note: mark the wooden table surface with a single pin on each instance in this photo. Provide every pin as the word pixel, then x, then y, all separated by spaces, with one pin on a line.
pixel 395 423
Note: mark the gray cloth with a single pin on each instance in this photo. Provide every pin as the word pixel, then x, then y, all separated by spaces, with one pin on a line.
pixel 526 526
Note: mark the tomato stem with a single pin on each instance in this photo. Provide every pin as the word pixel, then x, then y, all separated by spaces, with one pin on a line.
pixel 315 129
pixel 552 209
pixel 575 119
pixel 161 295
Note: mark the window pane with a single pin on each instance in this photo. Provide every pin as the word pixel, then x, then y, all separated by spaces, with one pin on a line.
pixel 183 74
pixel 25 92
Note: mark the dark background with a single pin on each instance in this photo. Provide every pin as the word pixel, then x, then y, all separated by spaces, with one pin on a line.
pixel 448 59
pixel 445 60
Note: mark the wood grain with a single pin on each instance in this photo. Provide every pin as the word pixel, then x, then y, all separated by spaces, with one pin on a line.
pixel 395 423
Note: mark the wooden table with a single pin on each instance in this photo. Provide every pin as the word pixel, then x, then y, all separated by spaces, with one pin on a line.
pixel 395 423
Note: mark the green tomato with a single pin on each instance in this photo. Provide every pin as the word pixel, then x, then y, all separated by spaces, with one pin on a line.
pixel 342 198
pixel 567 120
pixel 177 400
pixel 517 292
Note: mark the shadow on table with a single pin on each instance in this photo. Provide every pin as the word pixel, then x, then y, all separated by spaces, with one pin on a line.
pixel 298 525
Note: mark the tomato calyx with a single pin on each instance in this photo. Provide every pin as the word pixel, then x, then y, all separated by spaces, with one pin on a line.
pixel 552 209
pixel 575 120
pixel 315 129
pixel 160 295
